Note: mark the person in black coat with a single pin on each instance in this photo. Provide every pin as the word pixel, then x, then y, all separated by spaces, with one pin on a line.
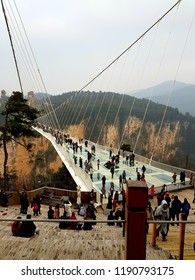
pixel 111 217
pixel 28 228
pixel 88 225
pixel 50 213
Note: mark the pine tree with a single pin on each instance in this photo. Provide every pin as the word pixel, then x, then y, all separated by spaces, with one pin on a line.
pixel 19 118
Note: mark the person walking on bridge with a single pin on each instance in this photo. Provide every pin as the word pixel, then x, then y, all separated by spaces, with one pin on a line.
pixel 104 186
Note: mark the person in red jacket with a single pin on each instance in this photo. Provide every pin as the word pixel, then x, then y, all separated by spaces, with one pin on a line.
pixel 16 227
pixel 152 191
pixel 73 225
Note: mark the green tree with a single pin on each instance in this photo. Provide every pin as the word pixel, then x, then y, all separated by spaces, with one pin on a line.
pixel 18 119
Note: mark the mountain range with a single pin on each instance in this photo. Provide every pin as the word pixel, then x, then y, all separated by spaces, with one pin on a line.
pixel 172 93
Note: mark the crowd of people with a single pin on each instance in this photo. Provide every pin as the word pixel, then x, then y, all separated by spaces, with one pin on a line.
pixel 24 228
pixel 27 228
pixel 167 208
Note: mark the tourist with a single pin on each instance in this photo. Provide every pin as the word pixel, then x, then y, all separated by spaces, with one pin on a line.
pixel 111 189
pixel 67 208
pixel 64 224
pixel 160 197
pixel 87 225
pixel 73 225
pixel 124 177
pixel 98 164
pixel 57 211
pixel 81 210
pixel 174 178
pixel 138 176
pixel 162 214
pixel 28 227
pixel 92 195
pixel 50 213
pixel 175 209
pixel 91 210
pixel 109 204
pixel 119 214
pixel 185 208
pixel 91 173
pixel 24 202
pixel 38 201
pixel 112 171
pixel 104 186
pixel 116 196
pixel 16 227
pixel 35 207
pixel 167 198
pixel 111 217
pixel 143 179
pixel 115 205
pixel 132 159
pixel 80 162
pixel 120 181
pixel 182 177
pixel 4 198
pixel 143 169
pixel 152 191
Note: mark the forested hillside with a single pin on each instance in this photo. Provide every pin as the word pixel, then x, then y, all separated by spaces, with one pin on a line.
pixel 112 118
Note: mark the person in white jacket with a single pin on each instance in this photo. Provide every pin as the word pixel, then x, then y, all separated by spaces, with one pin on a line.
pixel 67 208
pixel 162 214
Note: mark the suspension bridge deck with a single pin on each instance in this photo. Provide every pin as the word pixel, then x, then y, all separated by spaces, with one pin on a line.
pixel 153 175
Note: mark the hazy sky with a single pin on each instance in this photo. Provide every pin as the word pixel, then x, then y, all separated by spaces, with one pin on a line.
pixel 74 40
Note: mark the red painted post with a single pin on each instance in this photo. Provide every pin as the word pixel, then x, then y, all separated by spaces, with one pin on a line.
pixel 182 237
pixel 136 216
pixel 154 234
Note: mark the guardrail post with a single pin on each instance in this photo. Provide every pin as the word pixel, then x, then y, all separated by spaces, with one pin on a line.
pixel 182 237
pixel 136 217
pixel 154 234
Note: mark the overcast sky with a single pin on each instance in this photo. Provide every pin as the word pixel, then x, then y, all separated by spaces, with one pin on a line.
pixel 74 40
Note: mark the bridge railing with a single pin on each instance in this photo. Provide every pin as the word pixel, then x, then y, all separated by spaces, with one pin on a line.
pixel 78 174
pixel 182 232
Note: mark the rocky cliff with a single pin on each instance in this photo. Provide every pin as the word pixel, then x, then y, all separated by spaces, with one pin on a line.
pixel 27 168
pixel 146 140
pixel 163 144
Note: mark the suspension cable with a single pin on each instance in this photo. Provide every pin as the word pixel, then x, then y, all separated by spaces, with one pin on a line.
pixel 171 92
pixel 12 47
pixel 128 48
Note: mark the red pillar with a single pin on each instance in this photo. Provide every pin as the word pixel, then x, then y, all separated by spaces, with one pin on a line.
pixel 136 216
pixel 182 237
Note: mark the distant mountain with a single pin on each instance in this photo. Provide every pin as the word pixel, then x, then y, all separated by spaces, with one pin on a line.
pixel 41 95
pixel 176 94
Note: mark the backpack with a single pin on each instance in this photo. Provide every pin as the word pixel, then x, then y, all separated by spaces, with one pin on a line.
pixel 35 207
pixel 186 207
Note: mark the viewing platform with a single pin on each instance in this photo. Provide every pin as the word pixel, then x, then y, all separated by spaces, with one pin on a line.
pixel 103 242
